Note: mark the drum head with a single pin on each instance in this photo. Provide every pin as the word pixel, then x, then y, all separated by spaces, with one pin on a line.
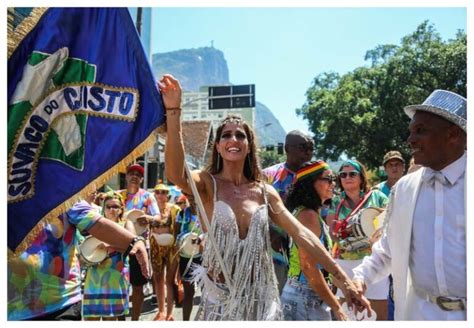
pixel 372 218
pixel 164 239
pixel 133 215
pixel 90 252
pixel 187 247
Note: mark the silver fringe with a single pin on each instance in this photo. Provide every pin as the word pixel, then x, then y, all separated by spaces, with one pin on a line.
pixel 255 292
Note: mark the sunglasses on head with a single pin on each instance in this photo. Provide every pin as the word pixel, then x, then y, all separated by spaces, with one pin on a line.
pixel 161 192
pixel 329 178
pixel 352 174
pixel 115 207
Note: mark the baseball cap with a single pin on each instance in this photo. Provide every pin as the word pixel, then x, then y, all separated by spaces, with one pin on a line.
pixel 393 154
pixel 136 167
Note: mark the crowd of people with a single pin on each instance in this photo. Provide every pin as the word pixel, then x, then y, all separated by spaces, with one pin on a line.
pixel 289 242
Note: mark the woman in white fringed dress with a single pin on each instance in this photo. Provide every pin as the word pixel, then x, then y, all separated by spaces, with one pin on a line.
pixel 239 206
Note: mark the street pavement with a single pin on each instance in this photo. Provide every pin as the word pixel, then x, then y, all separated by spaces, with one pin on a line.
pixel 149 310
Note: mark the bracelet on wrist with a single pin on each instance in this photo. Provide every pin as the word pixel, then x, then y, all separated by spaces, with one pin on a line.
pixel 173 108
pixel 132 243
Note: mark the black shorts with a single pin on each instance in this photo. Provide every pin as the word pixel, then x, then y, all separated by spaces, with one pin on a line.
pixel 183 264
pixel 136 276
pixel 69 313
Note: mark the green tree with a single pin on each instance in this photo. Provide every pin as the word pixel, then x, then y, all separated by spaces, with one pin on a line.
pixel 361 113
pixel 270 157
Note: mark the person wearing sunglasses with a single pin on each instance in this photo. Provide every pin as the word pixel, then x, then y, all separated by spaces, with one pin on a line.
pixel 355 195
pixel 237 275
pixel 298 149
pixel 164 259
pixel 189 226
pixel 307 294
pixel 138 198
pixel 106 284
pixel 182 201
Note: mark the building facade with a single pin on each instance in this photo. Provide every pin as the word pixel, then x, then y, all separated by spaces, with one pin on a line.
pixel 195 107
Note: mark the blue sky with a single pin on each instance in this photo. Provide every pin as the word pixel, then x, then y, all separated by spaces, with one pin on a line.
pixel 281 50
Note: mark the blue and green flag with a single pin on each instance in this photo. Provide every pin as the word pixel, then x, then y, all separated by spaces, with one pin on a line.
pixel 82 104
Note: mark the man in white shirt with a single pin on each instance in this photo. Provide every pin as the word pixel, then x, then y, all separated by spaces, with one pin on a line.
pixel 424 242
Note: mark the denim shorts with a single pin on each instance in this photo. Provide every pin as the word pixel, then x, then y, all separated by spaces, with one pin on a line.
pixel 301 303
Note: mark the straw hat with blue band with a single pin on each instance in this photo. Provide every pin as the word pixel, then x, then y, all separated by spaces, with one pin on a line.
pixel 448 105
pixel 311 168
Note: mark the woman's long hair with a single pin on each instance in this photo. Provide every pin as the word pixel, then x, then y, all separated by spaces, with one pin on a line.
pixel 303 193
pixel 251 168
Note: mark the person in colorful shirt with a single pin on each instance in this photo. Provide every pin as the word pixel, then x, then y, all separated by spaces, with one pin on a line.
pixel 106 285
pixel 189 223
pixel 164 256
pixel 138 198
pixel 307 294
pixel 352 179
pixel 299 149
pixel 44 281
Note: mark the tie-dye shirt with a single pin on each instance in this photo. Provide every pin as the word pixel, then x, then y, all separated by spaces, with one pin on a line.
pixel 280 177
pixel 46 277
pixel 142 200
pixel 383 187
pixel 106 287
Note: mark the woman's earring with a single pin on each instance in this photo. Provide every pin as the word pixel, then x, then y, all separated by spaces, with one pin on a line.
pixel 218 161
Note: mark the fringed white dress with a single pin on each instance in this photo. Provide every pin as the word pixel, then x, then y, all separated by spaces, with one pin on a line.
pixel 253 294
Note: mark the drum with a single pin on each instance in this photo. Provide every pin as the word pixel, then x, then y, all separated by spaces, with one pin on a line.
pixel 365 222
pixel 163 239
pixel 372 219
pixel 133 215
pixel 189 245
pixel 90 253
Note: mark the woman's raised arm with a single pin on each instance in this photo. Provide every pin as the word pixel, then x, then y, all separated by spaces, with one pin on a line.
pixel 174 148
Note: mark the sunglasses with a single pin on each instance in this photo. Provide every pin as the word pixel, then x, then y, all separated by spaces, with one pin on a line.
pixel 115 207
pixel 161 192
pixel 180 203
pixel 351 174
pixel 329 178
pixel 238 135
pixel 304 146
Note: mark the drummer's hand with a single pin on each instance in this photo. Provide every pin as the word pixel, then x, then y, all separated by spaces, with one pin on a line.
pixel 143 220
pixel 102 246
pixel 170 91
pixel 139 250
pixel 376 236
pixel 355 297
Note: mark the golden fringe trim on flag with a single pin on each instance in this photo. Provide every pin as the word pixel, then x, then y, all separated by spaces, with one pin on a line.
pixel 16 35
pixel 93 185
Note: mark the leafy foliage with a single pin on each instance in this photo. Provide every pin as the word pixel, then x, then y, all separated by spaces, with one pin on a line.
pixel 270 157
pixel 361 113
